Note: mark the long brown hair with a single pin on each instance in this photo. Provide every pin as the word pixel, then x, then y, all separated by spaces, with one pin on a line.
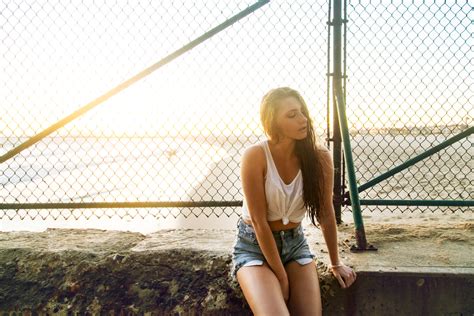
pixel 306 149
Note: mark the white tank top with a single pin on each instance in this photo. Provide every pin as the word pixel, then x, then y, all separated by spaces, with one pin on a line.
pixel 284 201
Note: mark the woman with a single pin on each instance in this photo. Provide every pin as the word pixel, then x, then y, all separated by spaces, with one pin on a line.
pixel 284 178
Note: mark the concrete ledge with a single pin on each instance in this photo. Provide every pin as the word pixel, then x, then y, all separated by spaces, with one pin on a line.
pixel 405 293
pixel 91 271
pixel 186 272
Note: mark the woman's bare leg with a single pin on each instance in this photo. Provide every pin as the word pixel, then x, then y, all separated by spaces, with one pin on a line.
pixel 305 295
pixel 262 290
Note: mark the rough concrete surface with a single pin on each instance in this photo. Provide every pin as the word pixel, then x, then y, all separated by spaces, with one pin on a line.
pixel 417 270
pixel 94 271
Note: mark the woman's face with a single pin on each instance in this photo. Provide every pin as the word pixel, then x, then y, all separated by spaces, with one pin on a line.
pixel 290 120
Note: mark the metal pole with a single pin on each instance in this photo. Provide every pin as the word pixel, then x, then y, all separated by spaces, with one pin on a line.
pixel 336 138
pixel 461 203
pixel 342 119
pixel 337 157
pixel 150 204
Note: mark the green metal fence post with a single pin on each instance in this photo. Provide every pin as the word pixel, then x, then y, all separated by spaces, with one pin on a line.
pixel 342 119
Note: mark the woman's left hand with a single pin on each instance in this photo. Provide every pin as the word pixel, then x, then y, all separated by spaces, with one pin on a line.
pixel 344 274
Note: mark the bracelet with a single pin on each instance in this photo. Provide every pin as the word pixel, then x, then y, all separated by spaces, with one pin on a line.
pixel 337 265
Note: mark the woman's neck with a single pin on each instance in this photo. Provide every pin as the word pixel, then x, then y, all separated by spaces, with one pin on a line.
pixel 284 148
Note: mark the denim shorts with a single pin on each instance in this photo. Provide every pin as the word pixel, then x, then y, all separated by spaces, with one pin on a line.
pixel 291 244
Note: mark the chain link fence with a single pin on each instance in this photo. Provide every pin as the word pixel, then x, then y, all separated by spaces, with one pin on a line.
pixel 177 135
pixel 409 88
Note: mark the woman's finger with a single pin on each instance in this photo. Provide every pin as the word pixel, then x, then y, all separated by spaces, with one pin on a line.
pixel 352 271
pixel 347 279
pixel 341 280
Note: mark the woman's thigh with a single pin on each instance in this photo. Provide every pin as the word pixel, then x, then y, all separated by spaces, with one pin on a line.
pixel 305 295
pixel 262 290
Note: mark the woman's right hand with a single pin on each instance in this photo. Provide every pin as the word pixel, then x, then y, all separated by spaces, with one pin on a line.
pixel 285 287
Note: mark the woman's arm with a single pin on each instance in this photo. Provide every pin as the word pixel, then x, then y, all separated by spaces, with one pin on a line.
pixel 253 185
pixel 345 275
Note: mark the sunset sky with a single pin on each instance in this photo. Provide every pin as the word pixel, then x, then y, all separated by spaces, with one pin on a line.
pixel 57 57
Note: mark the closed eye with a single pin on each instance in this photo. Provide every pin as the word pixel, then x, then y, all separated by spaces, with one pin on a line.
pixel 293 114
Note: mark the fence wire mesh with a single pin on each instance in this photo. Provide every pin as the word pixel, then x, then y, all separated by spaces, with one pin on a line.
pixel 409 88
pixel 178 134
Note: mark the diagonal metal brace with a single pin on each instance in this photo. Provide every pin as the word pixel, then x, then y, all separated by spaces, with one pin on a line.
pixel 36 138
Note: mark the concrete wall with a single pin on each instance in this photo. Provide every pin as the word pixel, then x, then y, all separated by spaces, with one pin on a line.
pixel 406 293
pixel 186 272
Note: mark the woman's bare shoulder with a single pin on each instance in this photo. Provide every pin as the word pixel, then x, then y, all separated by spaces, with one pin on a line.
pixel 254 152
